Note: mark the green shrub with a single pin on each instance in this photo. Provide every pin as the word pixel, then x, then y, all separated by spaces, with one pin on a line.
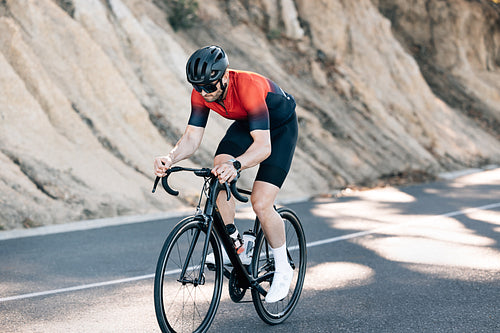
pixel 274 34
pixel 182 13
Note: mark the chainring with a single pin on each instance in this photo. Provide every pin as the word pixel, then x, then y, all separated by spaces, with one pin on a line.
pixel 235 291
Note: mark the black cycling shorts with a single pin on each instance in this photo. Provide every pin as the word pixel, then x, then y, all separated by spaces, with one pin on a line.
pixel 275 168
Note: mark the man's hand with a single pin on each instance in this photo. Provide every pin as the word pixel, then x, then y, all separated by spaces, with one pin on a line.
pixel 161 165
pixel 226 172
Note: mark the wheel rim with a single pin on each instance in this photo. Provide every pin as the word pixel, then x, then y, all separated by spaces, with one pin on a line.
pixel 188 305
pixel 274 313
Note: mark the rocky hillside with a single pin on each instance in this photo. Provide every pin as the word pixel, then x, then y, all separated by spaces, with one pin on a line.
pixel 92 90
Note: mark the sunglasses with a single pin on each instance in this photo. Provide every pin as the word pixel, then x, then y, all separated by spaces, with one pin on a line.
pixel 208 88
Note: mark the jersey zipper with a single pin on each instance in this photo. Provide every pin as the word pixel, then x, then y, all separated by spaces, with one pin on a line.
pixel 224 107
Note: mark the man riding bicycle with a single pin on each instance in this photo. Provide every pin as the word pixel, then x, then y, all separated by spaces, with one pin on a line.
pixel 264 133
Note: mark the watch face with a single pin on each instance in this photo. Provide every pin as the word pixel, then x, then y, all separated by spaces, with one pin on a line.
pixel 237 165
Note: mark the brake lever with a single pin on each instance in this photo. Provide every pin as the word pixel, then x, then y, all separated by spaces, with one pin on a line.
pixel 156 184
pixel 228 191
pixel 231 188
pixel 164 182
pixel 157 180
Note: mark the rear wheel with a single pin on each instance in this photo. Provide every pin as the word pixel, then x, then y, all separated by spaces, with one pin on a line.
pixel 263 269
pixel 184 302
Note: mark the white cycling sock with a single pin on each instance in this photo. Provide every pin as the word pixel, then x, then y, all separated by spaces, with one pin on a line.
pixel 281 259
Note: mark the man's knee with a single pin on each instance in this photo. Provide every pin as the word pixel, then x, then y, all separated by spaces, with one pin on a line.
pixel 263 197
pixel 260 205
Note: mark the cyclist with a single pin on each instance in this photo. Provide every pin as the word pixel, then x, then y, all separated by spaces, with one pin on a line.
pixel 264 133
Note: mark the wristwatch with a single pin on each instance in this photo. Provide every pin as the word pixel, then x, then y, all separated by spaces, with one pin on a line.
pixel 236 164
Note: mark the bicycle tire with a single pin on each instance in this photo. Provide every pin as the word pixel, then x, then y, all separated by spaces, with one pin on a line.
pixel 263 263
pixel 187 306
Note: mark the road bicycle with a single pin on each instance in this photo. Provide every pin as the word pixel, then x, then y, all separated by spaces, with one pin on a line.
pixel 187 290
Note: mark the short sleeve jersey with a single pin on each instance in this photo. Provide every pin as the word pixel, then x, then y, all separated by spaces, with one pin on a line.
pixel 245 101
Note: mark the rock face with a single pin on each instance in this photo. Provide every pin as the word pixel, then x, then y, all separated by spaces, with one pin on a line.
pixel 457 47
pixel 91 91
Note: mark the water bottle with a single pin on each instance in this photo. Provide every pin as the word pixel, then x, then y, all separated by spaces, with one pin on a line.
pixel 236 237
pixel 249 241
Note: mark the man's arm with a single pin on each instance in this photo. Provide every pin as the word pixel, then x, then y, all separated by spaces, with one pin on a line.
pixel 185 147
pixel 258 151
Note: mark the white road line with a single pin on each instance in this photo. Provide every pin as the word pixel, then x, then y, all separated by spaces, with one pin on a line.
pixel 76 288
pixel 309 245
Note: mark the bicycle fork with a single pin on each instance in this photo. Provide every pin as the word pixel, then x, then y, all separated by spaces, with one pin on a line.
pixel 200 280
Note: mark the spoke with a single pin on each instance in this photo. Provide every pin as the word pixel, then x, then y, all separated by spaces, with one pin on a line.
pixel 186 301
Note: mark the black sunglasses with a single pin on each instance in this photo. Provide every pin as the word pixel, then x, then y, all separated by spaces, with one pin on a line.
pixel 208 88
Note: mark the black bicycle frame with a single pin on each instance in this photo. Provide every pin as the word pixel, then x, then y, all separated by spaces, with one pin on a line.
pixel 213 220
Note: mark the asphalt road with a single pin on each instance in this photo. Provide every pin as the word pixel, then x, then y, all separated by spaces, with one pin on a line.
pixel 422 258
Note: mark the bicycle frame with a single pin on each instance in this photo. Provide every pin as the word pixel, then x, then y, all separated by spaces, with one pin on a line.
pixel 213 221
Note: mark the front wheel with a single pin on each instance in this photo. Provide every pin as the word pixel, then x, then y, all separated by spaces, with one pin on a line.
pixel 184 300
pixel 263 270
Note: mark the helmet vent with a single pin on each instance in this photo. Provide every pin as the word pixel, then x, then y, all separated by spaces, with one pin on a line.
pixel 196 63
pixel 203 68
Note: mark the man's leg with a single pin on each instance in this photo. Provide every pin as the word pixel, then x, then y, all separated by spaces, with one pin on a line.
pixel 263 197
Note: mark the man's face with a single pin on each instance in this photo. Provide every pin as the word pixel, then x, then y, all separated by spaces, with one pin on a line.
pixel 213 96
pixel 213 92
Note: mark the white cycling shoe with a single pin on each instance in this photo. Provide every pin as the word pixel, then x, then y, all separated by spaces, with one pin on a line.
pixel 211 258
pixel 245 256
pixel 280 286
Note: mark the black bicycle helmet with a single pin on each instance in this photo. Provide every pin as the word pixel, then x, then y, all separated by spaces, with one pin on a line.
pixel 206 65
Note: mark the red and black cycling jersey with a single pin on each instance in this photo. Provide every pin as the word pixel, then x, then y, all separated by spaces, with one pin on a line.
pixel 250 98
